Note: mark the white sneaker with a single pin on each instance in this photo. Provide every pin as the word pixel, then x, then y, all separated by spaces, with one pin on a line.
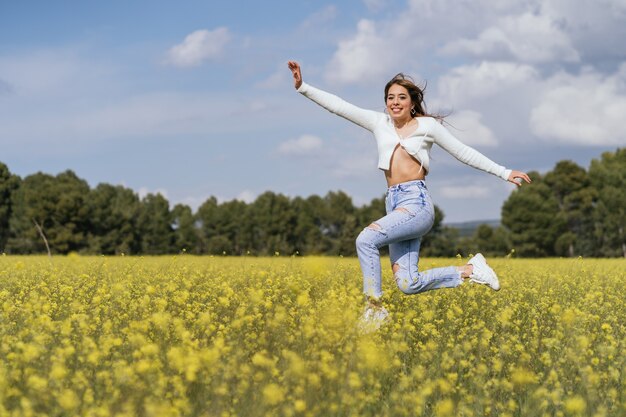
pixel 373 318
pixel 482 273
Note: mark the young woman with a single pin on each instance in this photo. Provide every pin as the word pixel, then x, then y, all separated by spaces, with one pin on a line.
pixel 405 134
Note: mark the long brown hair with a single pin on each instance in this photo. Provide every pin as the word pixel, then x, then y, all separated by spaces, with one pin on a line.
pixel 415 92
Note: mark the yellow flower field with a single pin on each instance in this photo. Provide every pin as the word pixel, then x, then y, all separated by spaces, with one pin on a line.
pixel 222 336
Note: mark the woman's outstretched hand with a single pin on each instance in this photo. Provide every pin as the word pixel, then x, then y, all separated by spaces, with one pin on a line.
pixel 516 178
pixel 297 74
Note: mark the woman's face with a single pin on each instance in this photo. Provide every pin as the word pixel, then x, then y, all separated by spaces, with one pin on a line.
pixel 399 102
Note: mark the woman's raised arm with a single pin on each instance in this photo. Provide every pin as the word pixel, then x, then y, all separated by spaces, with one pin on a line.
pixel 334 104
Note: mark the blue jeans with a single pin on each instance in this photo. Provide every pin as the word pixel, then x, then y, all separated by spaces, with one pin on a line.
pixel 410 215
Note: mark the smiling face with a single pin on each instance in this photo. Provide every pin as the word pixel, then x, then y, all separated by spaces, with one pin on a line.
pixel 399 103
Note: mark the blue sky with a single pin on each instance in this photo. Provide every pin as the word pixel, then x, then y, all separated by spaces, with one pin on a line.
pixel 193 99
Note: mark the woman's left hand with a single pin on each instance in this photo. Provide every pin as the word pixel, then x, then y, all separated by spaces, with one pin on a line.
pixel 516 178
pixel 297 73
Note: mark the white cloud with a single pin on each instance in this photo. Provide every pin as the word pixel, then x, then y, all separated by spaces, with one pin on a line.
pixel 305 145
pixel 468 127
pixel 198 47
pixel 246 196
pixel 593 25
pixel 587 109
pixel 528 37
pixel 361 58
pixel 537 32
pixel 406 40
pixel 463 84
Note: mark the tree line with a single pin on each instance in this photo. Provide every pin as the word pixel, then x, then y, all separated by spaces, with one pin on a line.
pixel 568 211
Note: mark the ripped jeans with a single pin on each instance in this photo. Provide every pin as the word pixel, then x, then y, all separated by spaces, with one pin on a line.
pixel 410 215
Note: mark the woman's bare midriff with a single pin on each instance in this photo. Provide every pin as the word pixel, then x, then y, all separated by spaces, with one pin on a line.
pixel 403 168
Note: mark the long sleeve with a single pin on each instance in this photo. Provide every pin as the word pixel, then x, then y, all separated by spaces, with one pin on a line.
pixel 362 117
pixel 466 154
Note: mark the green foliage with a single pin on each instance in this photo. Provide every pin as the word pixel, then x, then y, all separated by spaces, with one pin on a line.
pixel 59 205
pixel 308 234
pixel 444 243
pixel 571 212
pixel 272 223
pixel 186 234
pixel 565 212
pixel 490 241
pixel 8 184
pixel 531 214
pixel 155 225
pixel 225 228
pixel 570 186
pixel 113 224
pixel 608 177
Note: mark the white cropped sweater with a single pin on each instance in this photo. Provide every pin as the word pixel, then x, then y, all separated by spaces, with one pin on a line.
pixel 417 144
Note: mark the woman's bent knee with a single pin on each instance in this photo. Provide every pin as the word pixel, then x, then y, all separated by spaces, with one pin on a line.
pixel 405 286
pixel 403 279
pixel 408 284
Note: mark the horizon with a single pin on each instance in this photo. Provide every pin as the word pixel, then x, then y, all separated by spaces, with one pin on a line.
pixel 143 192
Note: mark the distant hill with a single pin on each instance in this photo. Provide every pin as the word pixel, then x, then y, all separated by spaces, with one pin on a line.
pixel 468 228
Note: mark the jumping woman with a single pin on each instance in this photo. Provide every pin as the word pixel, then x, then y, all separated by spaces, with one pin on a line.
pixel 404 134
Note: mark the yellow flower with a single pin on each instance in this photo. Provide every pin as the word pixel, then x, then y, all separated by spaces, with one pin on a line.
pixel 354 381
pixel 79 334
pixel 58 371
pixel 260 359
pixel 575 405
pixel 444 408
pixel 68 400
pixel 522 376
pixel 272 394
pixel 299 405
